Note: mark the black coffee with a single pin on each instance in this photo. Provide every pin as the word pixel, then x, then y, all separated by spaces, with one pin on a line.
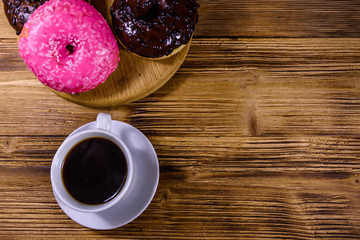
pixel 94 171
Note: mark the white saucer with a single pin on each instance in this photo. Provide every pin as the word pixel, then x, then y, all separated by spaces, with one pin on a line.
pixel 142 189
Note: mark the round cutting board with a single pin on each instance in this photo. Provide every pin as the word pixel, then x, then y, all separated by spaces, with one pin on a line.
pixel 134 78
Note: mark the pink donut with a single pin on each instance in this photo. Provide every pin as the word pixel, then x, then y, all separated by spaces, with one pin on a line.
pixel 69 46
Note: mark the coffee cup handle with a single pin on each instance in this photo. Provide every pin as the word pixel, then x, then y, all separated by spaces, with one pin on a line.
pixel 103 121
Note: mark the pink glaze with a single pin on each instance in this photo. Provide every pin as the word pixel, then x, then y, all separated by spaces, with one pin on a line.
pixel 69 46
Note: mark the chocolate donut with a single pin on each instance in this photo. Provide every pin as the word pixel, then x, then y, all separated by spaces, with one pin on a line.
pixel 19 11
pixel 154 28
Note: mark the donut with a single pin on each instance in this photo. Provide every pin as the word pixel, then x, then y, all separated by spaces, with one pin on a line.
pixel 18 11
pixel 154 28
pixel 69 46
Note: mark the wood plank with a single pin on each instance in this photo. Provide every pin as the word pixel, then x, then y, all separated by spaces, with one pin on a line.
pixel 279 18
pixel 210 188
pixel 266 18
pixel 226 87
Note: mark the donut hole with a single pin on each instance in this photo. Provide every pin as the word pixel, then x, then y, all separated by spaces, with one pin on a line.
pixel 63 51
pixel 70 48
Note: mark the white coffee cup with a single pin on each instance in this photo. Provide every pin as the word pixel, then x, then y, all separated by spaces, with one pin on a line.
pixel 103 130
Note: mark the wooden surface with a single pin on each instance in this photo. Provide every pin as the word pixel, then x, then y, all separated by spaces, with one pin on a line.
pixel 257 134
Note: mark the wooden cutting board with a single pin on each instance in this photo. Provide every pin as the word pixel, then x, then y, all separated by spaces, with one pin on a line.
pixel 134 78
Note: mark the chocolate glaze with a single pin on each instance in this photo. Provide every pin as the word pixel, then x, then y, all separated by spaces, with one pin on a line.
pixel 154 28
pixel 19 11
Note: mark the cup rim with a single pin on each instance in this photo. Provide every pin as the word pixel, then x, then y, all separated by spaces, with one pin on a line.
pixel 57 165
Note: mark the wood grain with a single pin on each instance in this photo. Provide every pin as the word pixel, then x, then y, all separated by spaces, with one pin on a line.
pixel 279 18
pixel 256 138
pixel 263 188
pixel 257 134
pixel 281 86
pixel 266 18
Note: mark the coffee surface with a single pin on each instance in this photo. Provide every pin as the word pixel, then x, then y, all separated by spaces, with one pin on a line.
pixel 94 171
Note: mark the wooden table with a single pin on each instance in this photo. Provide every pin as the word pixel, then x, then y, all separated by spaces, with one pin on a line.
pixel 257 134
